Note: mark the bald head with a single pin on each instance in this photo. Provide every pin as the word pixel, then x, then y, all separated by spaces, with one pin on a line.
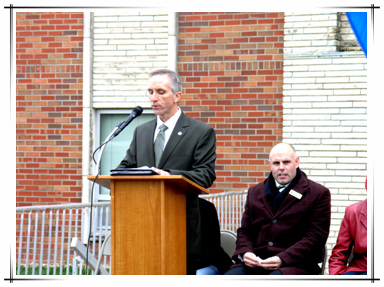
pixel 283 163
pixel 282 148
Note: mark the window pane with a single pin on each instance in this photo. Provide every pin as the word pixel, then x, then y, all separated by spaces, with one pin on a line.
pixel 115 150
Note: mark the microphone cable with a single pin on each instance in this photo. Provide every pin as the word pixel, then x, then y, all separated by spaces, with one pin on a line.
pixel 91 207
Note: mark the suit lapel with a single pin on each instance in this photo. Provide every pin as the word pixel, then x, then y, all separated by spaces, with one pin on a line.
pixel 290 199
pixel 148 137
pixel 178 133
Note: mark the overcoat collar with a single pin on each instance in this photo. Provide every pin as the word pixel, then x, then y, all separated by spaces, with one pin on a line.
pixel 300 188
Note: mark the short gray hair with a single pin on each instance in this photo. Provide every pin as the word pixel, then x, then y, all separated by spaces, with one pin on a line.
pixel 176 85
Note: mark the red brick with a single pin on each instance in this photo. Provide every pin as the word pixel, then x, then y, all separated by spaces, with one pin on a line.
pixel 39 178
pixel 241 87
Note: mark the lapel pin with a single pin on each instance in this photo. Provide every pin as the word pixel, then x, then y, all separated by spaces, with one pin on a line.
pixel 179 133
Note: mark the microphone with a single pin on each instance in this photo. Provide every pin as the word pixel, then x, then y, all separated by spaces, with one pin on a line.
pixel 134 114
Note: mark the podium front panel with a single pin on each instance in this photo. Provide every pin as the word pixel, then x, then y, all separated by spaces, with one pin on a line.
pixel 148 227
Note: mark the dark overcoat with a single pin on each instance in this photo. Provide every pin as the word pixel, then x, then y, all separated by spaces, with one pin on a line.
pixel 296 233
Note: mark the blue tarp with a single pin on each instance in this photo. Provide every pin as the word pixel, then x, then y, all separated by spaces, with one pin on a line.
pixel 358 21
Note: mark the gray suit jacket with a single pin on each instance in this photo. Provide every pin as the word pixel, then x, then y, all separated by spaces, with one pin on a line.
pixel 190 151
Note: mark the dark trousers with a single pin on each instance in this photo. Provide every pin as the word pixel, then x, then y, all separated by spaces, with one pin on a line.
pixel 244 270
pixel 193 233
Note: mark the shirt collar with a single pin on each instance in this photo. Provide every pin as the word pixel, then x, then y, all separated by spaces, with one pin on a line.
pixel 278 185
pixel 171 123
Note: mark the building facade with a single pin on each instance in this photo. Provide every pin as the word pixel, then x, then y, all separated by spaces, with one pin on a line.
pixel 256 78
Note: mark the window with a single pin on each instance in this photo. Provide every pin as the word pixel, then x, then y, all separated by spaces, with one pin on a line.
pixel 115 150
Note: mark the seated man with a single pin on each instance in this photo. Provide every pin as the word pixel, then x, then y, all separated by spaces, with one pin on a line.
pixel 213 260
pixel 353 233
pixel 285 223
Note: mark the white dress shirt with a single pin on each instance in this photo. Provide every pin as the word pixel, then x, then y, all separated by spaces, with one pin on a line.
pixel 171 123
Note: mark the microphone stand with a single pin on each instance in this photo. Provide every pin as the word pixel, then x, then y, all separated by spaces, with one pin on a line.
pixel 110 137
pixel 98 170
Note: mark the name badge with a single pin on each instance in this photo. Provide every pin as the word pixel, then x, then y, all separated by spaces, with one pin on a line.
pixel 295 194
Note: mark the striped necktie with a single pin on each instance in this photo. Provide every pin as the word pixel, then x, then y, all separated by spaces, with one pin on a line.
pixel 159 144
pixel 281 187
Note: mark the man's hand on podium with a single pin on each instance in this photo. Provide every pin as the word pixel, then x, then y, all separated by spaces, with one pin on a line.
pixel 160 171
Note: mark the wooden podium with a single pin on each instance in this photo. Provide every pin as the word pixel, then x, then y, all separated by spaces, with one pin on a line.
pixel 148 223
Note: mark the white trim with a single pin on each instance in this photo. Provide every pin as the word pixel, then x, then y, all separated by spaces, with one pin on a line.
pixel 172 40
pixel 87 106
pixel 88 114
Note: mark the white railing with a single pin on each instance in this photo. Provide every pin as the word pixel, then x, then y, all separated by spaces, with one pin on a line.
pixel 230 208
pixel 44 233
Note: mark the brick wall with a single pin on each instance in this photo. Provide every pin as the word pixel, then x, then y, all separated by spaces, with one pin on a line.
pixel 231 65
pixel 348 40
pixel 318 33
pixel 48 107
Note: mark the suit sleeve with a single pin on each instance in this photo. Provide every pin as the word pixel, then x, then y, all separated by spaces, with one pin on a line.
pixel 342 249
pixel 202 170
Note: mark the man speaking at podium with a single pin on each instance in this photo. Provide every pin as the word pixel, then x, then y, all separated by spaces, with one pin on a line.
pixel 175 144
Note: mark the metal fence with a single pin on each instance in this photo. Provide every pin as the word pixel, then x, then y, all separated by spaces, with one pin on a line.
pixel 44 233
pixel 230 208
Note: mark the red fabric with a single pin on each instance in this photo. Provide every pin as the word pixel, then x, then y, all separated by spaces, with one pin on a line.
pixel 366 183
pixel 353 230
